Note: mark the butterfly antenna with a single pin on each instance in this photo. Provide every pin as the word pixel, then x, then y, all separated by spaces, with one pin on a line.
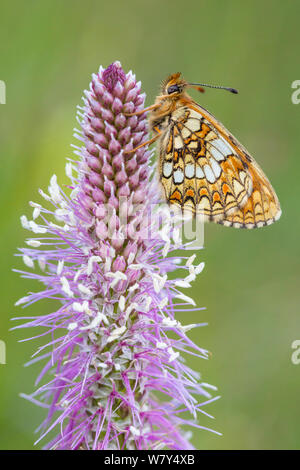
pixel 232 90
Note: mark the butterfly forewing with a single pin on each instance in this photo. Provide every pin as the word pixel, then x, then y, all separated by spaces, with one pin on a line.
pixel 205 170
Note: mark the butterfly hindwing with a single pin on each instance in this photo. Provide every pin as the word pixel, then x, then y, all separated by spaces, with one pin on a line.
pixel 205 170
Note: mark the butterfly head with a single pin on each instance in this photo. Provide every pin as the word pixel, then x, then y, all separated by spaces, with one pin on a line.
pixel 174 85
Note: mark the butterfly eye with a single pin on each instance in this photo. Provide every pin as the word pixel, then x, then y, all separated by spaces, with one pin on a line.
pixel 173 89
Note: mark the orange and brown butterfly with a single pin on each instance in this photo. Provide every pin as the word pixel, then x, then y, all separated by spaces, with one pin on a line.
pixel 202 167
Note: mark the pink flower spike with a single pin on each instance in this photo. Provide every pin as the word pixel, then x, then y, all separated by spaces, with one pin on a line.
pixel 113 375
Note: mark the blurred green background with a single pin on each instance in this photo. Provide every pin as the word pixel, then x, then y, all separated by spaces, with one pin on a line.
pixel 48 51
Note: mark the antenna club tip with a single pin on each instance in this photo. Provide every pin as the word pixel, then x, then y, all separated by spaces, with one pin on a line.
pixel 233 90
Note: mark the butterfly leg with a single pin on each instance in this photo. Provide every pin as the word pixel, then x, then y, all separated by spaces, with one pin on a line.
pixel 148 142
pixel 138 113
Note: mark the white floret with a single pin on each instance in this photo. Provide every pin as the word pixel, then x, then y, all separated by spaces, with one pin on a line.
pixel 66 286
pixel 28 261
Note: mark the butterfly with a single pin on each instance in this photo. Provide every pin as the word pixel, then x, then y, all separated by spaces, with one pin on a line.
pixel 203 169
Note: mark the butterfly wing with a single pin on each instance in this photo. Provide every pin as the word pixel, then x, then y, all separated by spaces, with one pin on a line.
pixel 205 170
